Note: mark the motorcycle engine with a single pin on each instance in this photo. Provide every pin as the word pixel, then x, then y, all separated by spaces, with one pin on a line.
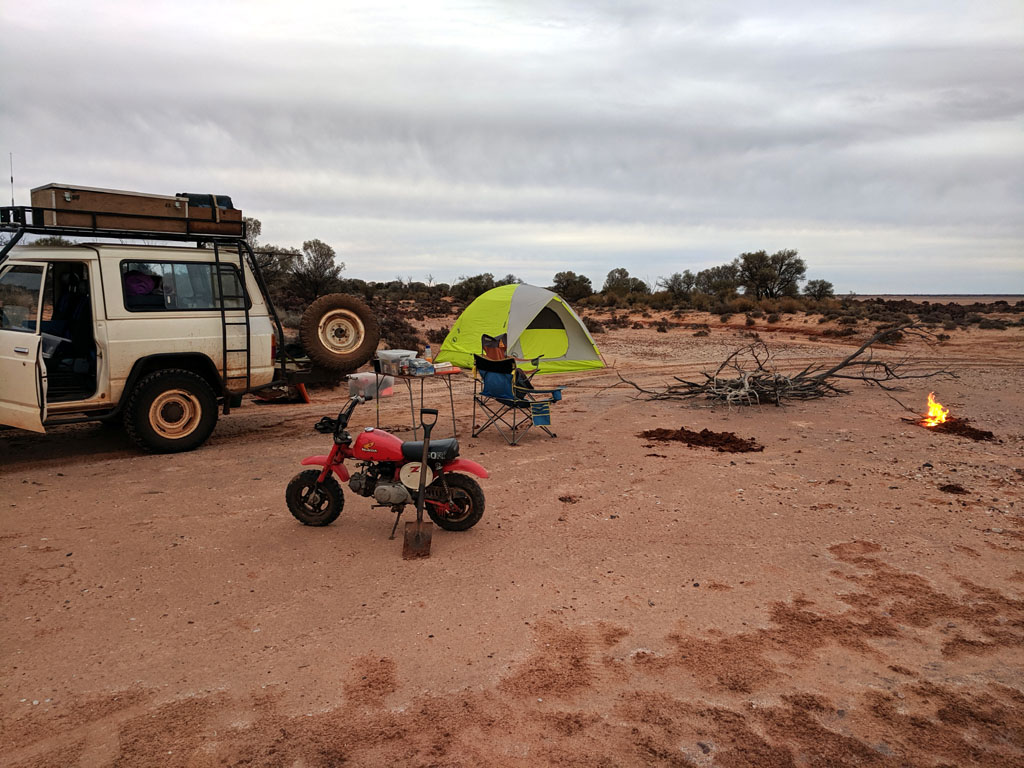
pixel 362 483
pixel 392 493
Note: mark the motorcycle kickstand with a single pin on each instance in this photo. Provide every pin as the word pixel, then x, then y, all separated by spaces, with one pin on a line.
pixel 398 517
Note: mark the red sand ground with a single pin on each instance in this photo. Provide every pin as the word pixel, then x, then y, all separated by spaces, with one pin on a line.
pixel 821 603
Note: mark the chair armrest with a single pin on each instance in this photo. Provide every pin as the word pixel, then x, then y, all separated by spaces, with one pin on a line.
pixel 556 393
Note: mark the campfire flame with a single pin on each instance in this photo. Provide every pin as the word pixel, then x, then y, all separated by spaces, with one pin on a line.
pixel 936 413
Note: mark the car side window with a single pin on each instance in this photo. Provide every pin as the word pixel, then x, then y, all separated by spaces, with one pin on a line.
pixel 174 286
pixel 20 287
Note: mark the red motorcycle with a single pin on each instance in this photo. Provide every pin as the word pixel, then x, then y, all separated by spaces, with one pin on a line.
pixel 388 469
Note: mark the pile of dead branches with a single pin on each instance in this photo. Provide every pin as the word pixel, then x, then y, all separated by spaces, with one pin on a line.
pixel 749 376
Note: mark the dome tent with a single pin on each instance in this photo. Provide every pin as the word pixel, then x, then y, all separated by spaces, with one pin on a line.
pixel 537 322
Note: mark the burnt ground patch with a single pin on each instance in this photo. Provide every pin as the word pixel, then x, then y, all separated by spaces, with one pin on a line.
pixel 726 442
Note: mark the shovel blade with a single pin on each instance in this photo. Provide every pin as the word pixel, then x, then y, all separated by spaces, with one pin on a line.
pixel 417 540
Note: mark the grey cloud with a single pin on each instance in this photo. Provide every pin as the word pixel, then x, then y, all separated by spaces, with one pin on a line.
pixel 889 120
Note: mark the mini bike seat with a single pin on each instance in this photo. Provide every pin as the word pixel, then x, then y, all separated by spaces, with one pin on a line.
pixel 440 450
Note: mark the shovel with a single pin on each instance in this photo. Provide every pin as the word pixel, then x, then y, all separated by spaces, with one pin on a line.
pixel 418 534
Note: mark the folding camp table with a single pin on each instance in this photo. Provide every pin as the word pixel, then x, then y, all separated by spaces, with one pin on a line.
pixel 444 376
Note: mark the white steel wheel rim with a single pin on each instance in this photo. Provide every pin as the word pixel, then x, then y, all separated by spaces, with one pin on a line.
pixel 341 331
pixel 175 414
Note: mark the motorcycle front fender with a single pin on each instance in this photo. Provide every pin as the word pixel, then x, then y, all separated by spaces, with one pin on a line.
pixel 325 461
pixel 465 465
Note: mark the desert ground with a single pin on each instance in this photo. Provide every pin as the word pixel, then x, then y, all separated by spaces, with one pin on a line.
pixel 623 602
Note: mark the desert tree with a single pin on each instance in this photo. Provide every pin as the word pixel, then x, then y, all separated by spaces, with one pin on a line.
pixel 770 277
pixel 678 283
pixel 572 287
pixel 274 262
pixel 721 281
pixel 468 288
pixel 619 282
pixel 819 289
pixel 315 271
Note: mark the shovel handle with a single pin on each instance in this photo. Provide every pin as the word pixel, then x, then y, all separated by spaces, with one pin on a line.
pixel 424 413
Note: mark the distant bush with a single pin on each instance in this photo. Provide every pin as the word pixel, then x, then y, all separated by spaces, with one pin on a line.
pixel 991 323
pixel 438 335
pixel 848 320
pixel 839 332
pixel 724 318
pixel 749 320
pixel 702 332
pixel 395 331
pixel 742 304
pixel 950 325
pixel 702 302
pixel 890 336
pixel 788 305
pixel 773 318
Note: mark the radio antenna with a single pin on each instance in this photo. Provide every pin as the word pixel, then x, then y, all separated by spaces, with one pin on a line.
pixel 11 154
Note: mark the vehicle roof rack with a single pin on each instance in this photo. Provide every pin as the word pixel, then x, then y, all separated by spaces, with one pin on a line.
pixel 29 219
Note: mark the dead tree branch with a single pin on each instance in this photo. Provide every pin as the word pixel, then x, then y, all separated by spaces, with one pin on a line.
pixel 748 376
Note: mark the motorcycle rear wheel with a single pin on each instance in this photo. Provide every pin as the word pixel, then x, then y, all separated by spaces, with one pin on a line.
pixel 465 507
pixel 313 503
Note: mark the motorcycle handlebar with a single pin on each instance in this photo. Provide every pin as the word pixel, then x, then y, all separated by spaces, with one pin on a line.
pixel 346 413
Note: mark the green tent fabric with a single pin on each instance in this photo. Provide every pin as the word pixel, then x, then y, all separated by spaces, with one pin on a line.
pixel 537 322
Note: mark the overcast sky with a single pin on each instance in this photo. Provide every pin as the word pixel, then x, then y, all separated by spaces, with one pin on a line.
pixel 882 140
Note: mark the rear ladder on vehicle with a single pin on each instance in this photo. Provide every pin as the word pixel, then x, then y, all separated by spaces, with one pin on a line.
pixel 239 319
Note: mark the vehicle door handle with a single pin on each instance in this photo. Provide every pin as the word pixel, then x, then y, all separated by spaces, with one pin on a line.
pixel 21 350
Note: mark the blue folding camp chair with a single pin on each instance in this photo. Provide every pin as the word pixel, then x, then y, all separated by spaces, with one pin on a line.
pixel 510 402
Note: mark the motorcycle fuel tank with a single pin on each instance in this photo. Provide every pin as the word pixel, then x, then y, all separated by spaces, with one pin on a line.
pixel 374 445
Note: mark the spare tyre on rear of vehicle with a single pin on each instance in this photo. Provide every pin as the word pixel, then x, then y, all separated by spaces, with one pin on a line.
pixel 339 332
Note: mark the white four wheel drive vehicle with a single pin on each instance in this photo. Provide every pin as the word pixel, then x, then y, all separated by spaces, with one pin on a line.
pixel 159 337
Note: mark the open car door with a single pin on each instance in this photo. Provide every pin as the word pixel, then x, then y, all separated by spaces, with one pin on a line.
pixel 22 369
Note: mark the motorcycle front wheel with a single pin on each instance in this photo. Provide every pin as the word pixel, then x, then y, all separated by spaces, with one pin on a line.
pixel 459 509
pixel 313 503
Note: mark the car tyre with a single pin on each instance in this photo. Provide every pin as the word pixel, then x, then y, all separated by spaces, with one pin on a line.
pixel 171 411
pixel 339 332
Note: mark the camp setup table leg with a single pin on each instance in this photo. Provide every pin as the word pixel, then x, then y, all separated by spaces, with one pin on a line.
pixel 446 377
